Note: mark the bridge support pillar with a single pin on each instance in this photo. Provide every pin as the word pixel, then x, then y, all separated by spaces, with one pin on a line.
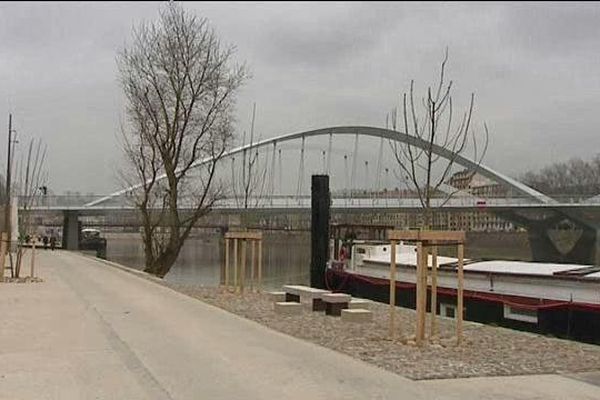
pixel 587 248
pixel 542 247
pixel 319 231
pixel 70 237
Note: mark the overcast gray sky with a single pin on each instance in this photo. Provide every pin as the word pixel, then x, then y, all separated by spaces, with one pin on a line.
pixel 535 69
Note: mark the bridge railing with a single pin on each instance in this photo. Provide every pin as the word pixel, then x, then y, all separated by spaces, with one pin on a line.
pixel 338 200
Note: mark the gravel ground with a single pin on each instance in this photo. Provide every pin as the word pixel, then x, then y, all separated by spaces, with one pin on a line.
pixel 486 350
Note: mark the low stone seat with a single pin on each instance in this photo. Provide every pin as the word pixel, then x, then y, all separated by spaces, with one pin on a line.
pixel 335 303
pixel 288 308
pixel 359 303
pixel 296 292
pixel 276 297
pixel 357 315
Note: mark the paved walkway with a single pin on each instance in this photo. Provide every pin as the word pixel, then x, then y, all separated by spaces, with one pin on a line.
pixel 91 331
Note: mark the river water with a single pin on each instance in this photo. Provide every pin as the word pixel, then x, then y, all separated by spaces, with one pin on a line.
pixel 286 254
pixel 286 257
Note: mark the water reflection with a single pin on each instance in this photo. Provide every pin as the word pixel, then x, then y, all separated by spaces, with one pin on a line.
pixel 286 257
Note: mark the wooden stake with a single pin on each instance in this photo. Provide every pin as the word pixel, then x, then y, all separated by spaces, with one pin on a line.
pixel 3 237
pixel 235 265
pixel 419 295
pixel 32 274
pixel 424 292
pixel 243 267
pixel 459 294
pixel 434 266
pixel 392 289
pixel 252 263
pixel 259 265
pixel 226 264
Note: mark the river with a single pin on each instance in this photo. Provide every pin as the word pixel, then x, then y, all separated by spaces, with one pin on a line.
pixel 286 257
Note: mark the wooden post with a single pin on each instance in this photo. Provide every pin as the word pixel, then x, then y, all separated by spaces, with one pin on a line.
pixel 32 274
pixel 226 280
pixel 419 295
pixel 424 292
pixel 2 254
pixel 243 266
pixel 434 266
pixel 392 288
pixel 252 263
pixel 235 264
pixel 259 265
pixel 459 294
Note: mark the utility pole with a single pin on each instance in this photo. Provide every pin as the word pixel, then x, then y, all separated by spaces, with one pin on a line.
pixel 7 208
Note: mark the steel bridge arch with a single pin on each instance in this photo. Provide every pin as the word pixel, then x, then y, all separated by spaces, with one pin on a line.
pixel 401 137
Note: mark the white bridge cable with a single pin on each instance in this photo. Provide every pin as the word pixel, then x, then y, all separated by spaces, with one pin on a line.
pixel 346 186
pixel 329 153
pixel 518 187
pixel 272 175
pixel 354 160
pixel 301 171
pixel 280 174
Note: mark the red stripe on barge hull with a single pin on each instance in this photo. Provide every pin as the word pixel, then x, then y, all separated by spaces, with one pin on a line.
pixel 527 303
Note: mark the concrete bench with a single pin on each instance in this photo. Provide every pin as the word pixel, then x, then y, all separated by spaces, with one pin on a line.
pixel 288 308
pixel 276 296
pixel 359 303
pixel 335 303
pixel 357 315
pixel 296 292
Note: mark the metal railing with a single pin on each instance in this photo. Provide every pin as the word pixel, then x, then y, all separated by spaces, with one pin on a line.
pixel 338 200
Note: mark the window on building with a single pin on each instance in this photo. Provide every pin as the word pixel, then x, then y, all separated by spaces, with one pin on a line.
pixel 520 314
pixel 448 310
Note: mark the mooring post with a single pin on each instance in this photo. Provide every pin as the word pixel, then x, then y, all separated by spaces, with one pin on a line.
pixel 320 203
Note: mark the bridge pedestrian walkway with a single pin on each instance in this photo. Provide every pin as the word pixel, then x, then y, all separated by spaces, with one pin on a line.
pixel 91 331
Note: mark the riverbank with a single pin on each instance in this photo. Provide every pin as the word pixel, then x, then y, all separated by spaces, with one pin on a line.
pixel 487 350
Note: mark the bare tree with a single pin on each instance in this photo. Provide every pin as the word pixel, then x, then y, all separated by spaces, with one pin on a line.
pixel 180 83
pixel 432 121
pixel 576 178
pixel 248 185
pixel 33 176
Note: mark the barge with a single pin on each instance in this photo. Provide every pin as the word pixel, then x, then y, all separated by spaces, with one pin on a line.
pixel 562 300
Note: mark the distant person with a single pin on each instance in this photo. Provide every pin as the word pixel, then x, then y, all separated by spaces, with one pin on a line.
pixel 52 242
pixel 45 240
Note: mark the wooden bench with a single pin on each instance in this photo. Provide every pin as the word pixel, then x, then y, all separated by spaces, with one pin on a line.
pixel 335 303
pixel 296 292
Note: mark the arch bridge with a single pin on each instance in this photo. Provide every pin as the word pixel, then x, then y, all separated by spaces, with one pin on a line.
pixel 537 220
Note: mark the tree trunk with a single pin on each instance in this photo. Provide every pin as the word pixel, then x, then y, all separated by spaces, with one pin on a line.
pixel 160 265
